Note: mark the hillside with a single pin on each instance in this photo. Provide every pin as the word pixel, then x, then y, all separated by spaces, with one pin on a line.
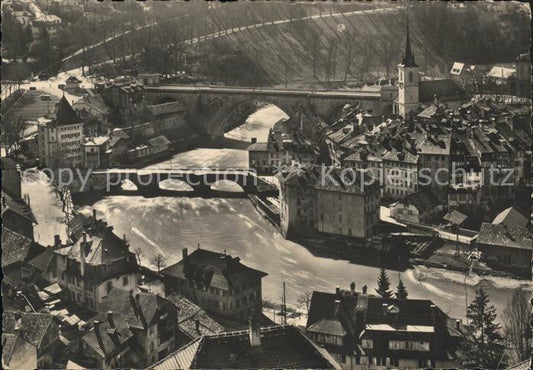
pixel 314 43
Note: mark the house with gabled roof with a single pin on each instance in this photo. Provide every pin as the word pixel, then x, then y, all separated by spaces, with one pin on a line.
pixel 151 318
pixel 108 342
pixel 29 339
pixel 217 282
pixel 94 263
pixel 364 331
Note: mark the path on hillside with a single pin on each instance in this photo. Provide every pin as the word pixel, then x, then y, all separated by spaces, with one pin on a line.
pixel 221 33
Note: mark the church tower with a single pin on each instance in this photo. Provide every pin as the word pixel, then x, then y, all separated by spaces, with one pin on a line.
pixel 408 80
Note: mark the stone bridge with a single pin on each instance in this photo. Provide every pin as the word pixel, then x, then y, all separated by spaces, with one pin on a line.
pixel 147 180
pixel 213 109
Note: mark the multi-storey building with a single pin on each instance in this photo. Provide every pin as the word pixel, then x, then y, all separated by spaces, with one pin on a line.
pixel 363 331
pixel 151 319
pixel 329 200
pixel 60 138
pixel 94 264
pixel 400 173
pixel 95 153
pixel 217 282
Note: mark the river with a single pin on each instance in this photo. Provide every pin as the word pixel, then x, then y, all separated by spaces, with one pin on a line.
pixel 167 224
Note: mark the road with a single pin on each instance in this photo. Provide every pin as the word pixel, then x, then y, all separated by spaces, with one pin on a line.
pixel 221 33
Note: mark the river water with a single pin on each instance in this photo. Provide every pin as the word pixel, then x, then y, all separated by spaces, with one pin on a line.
pixel 167 224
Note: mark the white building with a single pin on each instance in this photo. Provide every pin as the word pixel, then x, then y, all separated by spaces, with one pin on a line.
pixel 60 138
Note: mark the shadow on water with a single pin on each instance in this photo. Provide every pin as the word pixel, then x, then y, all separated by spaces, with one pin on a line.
pixel 89 199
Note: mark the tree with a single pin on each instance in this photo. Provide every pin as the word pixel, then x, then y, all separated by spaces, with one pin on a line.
pixel 482 346
pixel 384 284
pixel 159 261
pixel 139 254
pixel 304 301
pixel 516 327
pixel 401 292
pixel 12 132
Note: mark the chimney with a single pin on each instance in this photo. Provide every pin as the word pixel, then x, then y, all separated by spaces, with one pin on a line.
pixel 255 333
pixel 254 140
pixel 110 318
pixel 384 308
pixel 365 288
pixel 94 214
pixel 197 325
pixel 83 247
pixel 458 325
pixel 352 287
pixel 3 201
pixel 57 240
pixel 433 309
pixel 337 290
pixel 184 254
pixel 337 307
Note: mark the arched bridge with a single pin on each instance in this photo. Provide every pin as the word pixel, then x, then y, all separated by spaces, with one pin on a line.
pixel 211 107
pixel 200 180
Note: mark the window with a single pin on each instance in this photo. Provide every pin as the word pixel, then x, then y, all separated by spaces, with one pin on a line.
pixel 124 281
pixel 109 286
pixel 410 76
pixel 367 343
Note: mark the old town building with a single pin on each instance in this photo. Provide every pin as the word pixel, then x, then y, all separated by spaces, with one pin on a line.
pixel 328 200
pixel 94 264
pixel 151 318
pixel 364 331
pixel 60 138
pixel 217 282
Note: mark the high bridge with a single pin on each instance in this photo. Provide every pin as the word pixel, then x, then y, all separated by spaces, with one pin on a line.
pixel 147 180
pixel 210 107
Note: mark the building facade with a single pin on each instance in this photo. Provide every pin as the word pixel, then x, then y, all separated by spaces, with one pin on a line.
pixel 217 282
pixel 60 138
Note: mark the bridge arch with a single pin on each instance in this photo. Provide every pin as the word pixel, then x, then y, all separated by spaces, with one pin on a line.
pixel 234 113
pixel 175 184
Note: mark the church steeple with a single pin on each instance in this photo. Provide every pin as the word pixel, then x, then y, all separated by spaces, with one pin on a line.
pixel 408 58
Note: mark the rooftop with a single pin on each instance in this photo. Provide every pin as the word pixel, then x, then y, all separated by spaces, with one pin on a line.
pixel 505 236
pixel 214 269
pixel 281 347
pixel 17 247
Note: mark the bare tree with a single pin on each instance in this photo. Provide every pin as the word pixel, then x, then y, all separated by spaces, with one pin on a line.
pixel 12 132
pixel 159 261
pixel 516 327
pixel 304 301
pixel 139 254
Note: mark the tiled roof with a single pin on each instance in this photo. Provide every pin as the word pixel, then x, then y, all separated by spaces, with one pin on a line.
pixel 18 206
pixel 455 217
pixel 189 313
pixel 44 261
pixel 505 236
pixel 511 217
pixel 34 325
pixel 116 135
pixel 181 359
pixel 138 314
pixel 65 114
pixel 101 249
pixel 158 140
pixel 107 338
pixel 17 247
pixel 258 147
pixel 524 365
pixel 17 353
pixel 423 200
pixel 214 269
pixel 443 89
pixel 282 347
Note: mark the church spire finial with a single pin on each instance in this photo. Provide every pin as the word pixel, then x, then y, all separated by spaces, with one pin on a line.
pixel 409 57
